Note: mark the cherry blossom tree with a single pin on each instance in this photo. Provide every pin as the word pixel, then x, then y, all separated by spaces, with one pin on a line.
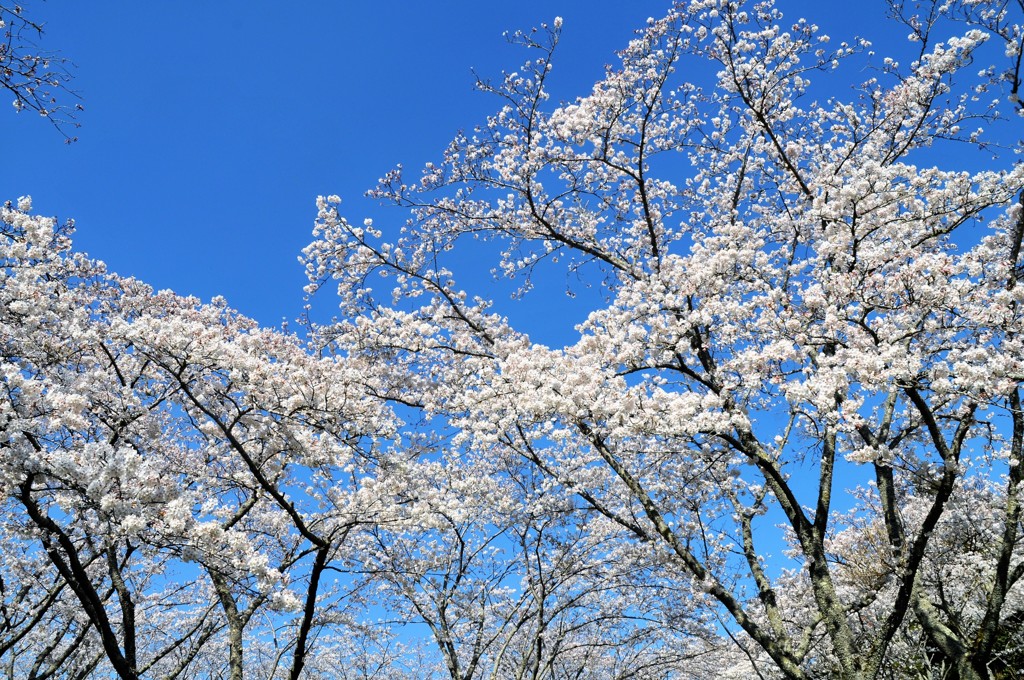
pixel 783 438
pixel 174 477
pixel 796 294
pixel 512 582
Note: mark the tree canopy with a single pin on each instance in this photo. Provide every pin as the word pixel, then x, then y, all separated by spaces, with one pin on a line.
pixel 784 442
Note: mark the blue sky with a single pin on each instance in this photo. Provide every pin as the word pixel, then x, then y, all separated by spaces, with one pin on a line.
pixel 211 127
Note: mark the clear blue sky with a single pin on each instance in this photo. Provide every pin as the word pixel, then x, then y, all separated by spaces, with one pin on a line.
pixel 210 127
